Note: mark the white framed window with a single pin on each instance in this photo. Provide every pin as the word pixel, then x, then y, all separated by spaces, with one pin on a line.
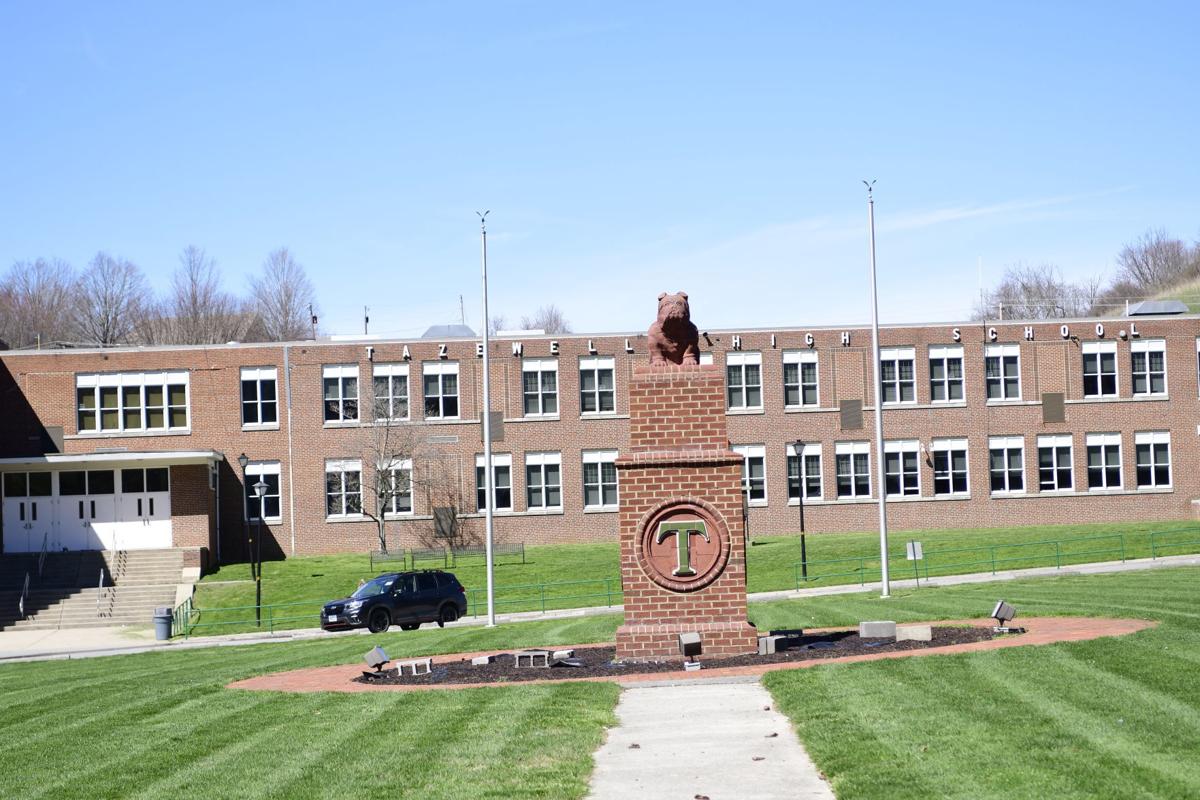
pixel 1103 460
pixel 501 482
pixel 1149 366
pixel 389 382
pixel 804 472
pixel 132 402
pixel 800 382
pixel 754 472
pixel 853 462
pixel 946 374
pixel 597 389
pixel 543 481
pixel 950 473
pixel 1153 454
pixel 743 381
pixel 901 468
pixel 600 479
pixel 1099 369
pixel 897 372
pixel 1055 468
pixel 397 488
pixel 1006 464
pixel 343 488
pixel 440 389
pixel 1002 371
pixel 260 397
pixel 269 509
pixel 339 384
pixel 539 386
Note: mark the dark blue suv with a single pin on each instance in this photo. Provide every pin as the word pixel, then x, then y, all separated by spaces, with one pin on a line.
pixel 407 599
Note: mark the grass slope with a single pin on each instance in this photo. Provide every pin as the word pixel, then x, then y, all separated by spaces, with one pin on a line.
pixel 771 565
pixel 1107 718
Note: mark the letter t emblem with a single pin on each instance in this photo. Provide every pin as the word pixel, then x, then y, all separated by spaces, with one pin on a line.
pixel 683 536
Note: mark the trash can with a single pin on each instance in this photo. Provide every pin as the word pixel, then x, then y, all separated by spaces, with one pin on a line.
pixel 162 623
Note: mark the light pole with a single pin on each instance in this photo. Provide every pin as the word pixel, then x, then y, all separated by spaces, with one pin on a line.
pixel 798 446
pixel 881 470
pixel 488 493
pixel 243 460
pixel 260 491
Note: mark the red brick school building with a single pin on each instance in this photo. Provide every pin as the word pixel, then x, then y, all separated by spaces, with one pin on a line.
pixel 986 424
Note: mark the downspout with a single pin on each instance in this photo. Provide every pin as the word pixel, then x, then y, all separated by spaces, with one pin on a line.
pixel 287 391
pixel 215 470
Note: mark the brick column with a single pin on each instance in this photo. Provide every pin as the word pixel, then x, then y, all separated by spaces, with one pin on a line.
pixel 679 473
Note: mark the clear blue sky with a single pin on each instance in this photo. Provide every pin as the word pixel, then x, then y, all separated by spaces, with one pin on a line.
pixel 623 149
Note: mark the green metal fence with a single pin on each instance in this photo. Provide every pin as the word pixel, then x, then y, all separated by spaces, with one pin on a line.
pixel 1161 541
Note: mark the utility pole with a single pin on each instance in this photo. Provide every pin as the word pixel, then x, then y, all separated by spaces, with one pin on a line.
pixel 366 320
pixel 313 319
pixel 880 468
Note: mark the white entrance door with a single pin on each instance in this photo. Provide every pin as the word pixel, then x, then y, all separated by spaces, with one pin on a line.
pixel 17 525
pixel 144 509
pixel 28 513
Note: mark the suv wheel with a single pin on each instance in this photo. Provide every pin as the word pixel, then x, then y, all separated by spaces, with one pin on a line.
pixel 448 613
pixel 379 621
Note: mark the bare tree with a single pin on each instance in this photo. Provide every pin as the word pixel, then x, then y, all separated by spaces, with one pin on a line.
pixel 110 297
pixel 392 446
pixel 549 319
pixel 1038 292
pixel 35 303
pixel 497 323
pixel 439 481
pixel 201 311
pixel 282 295
pixel 1157 261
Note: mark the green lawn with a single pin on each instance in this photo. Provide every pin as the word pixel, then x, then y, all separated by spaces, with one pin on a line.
pixel 1115 718
pixel 163 725
pixel 1108 718
pixel 586 574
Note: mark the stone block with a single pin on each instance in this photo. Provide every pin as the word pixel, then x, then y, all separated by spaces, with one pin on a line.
pixel 558 655
pixel 482 661
pixel 914 633
pixel 768 644
pixel 880 629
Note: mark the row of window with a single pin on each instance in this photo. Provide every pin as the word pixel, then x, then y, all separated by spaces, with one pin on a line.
pixel 158 401
pixel 92 482
pixel 948 460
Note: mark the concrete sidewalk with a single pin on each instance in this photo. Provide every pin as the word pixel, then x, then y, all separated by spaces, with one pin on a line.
pixel 21 645
pixel 723 741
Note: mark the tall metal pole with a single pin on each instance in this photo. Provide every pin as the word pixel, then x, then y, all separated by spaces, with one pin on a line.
pixel 488 494
pixel 881 470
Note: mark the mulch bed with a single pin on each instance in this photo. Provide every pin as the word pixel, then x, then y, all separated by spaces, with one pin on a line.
pixel 599 662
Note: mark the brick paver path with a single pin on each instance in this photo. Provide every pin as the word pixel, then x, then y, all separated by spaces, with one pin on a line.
pixel 1040 630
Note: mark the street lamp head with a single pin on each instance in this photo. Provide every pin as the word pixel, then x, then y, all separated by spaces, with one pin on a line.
pixel 260 489
pixel 243 460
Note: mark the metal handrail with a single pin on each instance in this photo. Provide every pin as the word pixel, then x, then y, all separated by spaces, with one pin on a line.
pixel 24 594
pixel 42 555
pixel 1156 545
pixel 99 591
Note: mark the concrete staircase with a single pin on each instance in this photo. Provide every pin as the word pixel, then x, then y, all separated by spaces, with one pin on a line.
pixel 69 593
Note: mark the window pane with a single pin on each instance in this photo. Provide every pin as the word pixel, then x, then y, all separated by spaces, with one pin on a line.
pixel 39 484
pixel 133 480
pixel 15 484
pixel 101 481
pixel 157 479
pixel 72 483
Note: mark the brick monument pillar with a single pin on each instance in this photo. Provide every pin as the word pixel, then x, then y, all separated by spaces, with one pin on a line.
pixel 683 545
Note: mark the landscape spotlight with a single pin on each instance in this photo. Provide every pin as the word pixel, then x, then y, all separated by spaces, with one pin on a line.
pixel 689 645
pixel 1003 614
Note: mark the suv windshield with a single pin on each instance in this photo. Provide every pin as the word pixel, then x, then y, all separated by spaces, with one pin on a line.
pixel 374 586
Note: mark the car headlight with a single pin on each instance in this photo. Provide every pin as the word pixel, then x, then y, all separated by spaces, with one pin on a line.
pixel 354 605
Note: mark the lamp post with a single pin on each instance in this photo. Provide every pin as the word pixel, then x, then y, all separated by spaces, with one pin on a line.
pixel 798 446
pixel 260 491
pixel 243 460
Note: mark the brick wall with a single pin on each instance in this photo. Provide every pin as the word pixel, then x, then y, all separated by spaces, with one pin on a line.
pixel 38 392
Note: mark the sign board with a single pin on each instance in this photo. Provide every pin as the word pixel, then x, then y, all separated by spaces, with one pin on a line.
pixel 914 551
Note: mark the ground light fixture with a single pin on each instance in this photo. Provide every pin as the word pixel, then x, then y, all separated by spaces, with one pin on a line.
pixel 376 659
pixel 1003 614
pixel 690 647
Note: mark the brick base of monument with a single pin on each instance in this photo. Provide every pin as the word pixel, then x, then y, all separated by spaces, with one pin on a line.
pixel 679 458
pixel 650 642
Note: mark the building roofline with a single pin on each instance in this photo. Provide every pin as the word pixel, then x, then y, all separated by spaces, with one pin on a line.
pixel 375 339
